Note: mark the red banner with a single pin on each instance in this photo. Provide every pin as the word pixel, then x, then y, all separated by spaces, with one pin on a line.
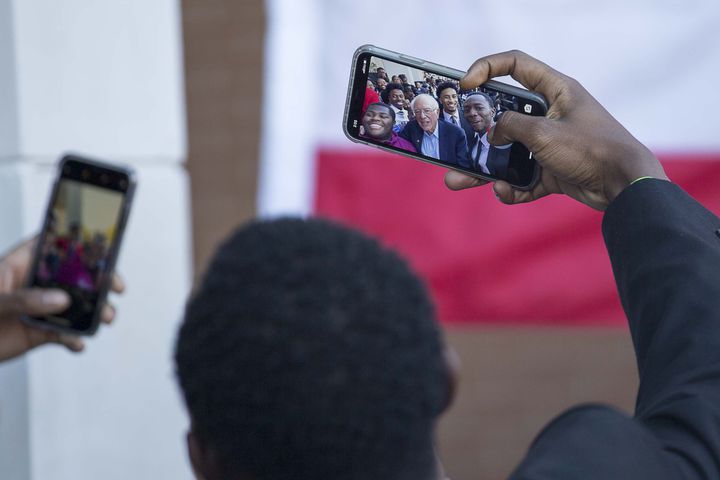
pixel 539 263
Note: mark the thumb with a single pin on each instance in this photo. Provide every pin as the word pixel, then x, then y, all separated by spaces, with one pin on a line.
pixel 33 301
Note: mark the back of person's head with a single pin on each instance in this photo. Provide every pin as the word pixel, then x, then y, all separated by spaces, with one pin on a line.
pixel 309 351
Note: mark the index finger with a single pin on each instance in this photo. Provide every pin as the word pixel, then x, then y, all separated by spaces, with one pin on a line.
pixel 529 71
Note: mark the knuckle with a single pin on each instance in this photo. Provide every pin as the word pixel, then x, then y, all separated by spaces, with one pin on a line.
pixel 541 135
pixel 571 82
pixel 506 122
pixel 521 127
pixel 572 87
pixel 508 127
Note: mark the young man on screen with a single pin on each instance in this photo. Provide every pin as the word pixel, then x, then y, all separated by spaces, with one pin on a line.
pixel 381 85
pixel 449 98
pixel 394 96
pixel 378 124
pixel 489 159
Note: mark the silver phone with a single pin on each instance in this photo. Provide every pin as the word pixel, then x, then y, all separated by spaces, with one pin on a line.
pixel 416 108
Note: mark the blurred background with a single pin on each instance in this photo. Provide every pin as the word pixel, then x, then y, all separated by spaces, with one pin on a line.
pixel 231 109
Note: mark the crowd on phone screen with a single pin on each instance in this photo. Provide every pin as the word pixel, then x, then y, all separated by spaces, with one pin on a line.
pixel 433 117
pixel 72 260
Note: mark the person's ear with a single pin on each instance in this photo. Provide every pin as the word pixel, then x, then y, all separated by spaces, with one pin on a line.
pixel 201 460
pixel 205 463
pixel 195 454
pixel 453 364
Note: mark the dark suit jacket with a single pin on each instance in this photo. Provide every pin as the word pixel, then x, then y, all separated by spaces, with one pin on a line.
pixel 453 146
pixel 464 124
pixel 665 254
pixel 498 159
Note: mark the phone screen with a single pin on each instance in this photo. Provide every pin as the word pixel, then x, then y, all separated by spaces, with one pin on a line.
pixel 79 240
pixel 425 114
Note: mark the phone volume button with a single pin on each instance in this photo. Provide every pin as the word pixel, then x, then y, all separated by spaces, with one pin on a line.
pixel 414 60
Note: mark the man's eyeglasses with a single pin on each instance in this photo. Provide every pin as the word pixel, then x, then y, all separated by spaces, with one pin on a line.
pixel 425 111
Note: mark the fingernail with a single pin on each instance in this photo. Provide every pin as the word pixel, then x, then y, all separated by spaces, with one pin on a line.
pixel 55 298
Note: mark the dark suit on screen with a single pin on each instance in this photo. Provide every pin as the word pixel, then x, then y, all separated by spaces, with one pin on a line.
pixel 453 146
pixel 464 124
pixel 665 255
pixel 498 159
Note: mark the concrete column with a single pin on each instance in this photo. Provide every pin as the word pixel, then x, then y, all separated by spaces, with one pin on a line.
pixel 104 79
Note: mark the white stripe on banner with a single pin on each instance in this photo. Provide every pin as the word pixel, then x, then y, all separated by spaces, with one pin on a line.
pixel 652 63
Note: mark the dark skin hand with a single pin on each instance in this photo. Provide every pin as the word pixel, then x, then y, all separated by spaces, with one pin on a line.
pixel 16 337
pixel 583 151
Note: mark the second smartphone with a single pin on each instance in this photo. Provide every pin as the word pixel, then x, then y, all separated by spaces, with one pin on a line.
pixel 416 108
pixel 80 240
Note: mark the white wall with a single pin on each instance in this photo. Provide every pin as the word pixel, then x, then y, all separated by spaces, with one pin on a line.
pixel 105 79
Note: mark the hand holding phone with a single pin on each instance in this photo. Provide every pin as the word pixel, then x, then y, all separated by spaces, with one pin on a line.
pixel 427 116
pixel 80 241
pixel 584 152
pixel 17 337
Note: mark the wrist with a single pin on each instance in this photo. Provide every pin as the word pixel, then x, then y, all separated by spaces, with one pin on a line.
pixel 646 166
pixel 646 177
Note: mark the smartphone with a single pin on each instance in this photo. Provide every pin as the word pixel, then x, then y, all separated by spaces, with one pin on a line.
pixel 80 240
pixel 415 108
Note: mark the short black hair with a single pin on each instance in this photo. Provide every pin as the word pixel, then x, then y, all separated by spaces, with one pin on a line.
pixel 384 105
pixel 385 95
pixel 444 85
pixel 310 351
pixel 487 98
